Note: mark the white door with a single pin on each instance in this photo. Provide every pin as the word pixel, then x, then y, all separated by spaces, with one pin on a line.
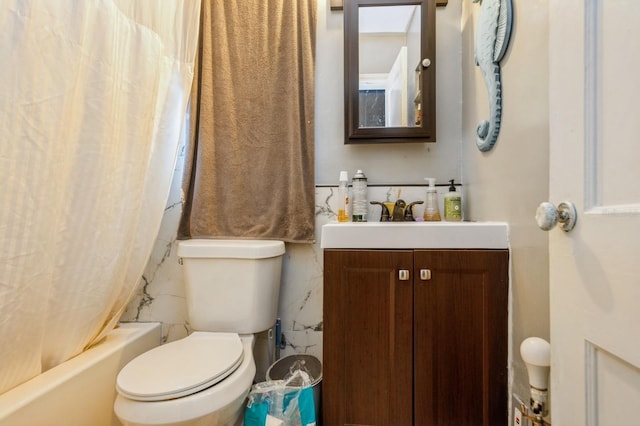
pixel 595 163
pixel 396 91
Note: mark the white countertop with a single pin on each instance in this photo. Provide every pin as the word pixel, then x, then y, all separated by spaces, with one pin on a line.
pixel 409 235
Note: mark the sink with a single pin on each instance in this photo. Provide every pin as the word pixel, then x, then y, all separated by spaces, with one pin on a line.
pixel 409 235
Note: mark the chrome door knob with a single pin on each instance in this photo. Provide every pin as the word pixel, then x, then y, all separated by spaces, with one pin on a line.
pixel 548 216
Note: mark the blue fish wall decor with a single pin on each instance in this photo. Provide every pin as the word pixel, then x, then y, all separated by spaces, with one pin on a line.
pixel 492 39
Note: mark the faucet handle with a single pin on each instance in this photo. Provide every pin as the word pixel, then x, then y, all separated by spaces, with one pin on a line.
pixel 384 214
pixel 408 211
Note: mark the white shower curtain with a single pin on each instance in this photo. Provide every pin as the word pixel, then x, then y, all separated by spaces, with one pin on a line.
pixel 93 96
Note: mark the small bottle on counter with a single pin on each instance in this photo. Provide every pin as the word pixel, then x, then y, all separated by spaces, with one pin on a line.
pixel 343 197
pixel 359 197
pixel 452 204
pixel 431 209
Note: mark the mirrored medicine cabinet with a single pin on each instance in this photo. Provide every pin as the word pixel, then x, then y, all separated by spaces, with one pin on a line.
pixel 389 71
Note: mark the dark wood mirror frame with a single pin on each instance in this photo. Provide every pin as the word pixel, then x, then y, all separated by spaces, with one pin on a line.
pixel 426 131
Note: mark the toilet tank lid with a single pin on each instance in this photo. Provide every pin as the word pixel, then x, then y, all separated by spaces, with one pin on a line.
pixel 230 249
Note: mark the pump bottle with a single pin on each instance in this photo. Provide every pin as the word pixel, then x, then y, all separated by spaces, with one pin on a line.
pixel 431 209
pixel 452 204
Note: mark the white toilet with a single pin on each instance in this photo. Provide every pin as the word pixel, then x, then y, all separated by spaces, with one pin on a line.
pixel 232 289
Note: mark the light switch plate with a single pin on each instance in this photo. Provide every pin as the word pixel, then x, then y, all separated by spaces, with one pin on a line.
pixel 517 417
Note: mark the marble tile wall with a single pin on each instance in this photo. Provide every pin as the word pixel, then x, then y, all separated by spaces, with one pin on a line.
pixel 160 295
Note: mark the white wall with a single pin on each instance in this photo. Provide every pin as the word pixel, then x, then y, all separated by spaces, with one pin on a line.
pixel 406 163
pixel 378 52
pixel 508 182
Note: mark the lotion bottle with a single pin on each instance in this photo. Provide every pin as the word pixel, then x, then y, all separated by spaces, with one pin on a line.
pixel 431 209
pixel 343 197
pixel 452 204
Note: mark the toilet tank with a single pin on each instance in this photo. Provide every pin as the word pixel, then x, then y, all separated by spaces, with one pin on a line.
pixel 231 285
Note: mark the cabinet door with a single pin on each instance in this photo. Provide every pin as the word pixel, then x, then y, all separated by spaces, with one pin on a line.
pixel 460 337
pixel 367 357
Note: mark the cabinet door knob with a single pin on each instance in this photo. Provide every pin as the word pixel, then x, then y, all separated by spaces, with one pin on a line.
pixel 425 274
pixel 403 274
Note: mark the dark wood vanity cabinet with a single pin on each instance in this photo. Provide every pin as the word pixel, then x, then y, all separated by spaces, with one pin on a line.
pixel 415 337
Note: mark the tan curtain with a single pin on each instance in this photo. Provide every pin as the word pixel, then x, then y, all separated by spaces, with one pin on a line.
pixel 252 172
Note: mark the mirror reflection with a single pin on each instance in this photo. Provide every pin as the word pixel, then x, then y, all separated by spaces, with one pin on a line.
pixel 389 66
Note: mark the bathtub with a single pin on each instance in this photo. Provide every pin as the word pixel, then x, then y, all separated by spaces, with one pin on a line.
pixel 81 391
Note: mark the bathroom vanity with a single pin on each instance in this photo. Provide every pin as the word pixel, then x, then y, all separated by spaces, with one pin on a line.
pixel 415 324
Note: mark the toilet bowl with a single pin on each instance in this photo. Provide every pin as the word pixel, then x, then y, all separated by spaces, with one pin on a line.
pixel 232 289
pixel 170 386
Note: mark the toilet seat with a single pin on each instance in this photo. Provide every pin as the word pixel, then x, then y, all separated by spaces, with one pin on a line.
pixel 182 367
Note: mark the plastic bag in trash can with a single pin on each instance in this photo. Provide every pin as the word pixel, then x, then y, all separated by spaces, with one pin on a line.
pixel 286 402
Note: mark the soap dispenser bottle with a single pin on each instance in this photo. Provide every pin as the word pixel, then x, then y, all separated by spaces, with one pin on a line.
pixel 452 204
pixel 431 209
pixel 343 197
